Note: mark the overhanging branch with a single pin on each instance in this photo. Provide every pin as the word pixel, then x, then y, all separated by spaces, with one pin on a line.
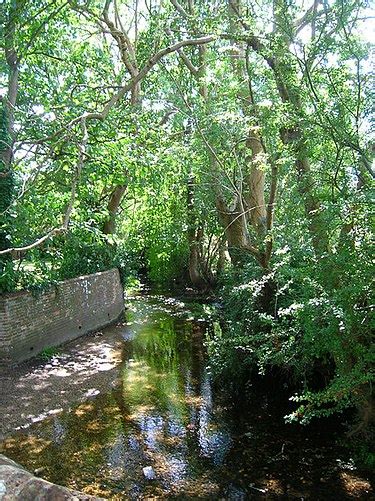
pixel 17 251
pixel 102 115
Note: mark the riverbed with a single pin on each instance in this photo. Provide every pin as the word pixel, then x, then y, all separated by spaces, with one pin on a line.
pixel 130 412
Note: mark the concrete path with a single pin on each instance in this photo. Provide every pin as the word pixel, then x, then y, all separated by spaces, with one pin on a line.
pixel 37 388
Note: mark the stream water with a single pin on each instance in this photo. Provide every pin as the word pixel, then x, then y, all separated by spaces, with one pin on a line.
pixel 139 395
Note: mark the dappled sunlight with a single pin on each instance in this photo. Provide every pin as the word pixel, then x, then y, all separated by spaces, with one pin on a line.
pixel 355 485
pixel 84 409
pixel 223 153
pixel 78 372
pixel 31 444
pixel 275 486
pixel 139 396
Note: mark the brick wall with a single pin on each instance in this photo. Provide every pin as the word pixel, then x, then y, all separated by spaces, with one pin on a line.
pixel 30 323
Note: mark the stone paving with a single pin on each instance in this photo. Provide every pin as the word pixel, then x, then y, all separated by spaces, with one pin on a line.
pixel 17 484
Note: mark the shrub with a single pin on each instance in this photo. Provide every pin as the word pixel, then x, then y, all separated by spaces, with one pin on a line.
pixel 316 329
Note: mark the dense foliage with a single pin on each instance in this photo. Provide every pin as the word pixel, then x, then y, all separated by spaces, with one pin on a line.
pixel 223 145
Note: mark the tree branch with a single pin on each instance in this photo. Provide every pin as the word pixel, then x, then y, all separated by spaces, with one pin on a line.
pixel 179 8
pixel 17 251
pixel 310 16
pixel 193 70
pixel 101 115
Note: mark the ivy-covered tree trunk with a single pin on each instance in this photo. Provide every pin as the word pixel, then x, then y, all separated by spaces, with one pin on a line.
pixel 6 179
pixel 8 103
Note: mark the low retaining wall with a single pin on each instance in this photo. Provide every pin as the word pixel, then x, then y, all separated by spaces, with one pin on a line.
pixel 30 323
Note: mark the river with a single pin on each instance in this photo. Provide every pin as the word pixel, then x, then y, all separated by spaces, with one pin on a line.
pixel 136 400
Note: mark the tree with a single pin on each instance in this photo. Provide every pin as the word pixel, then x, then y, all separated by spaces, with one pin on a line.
pixel 182 130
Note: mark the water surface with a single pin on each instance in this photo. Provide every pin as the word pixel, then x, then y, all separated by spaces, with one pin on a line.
pixel 139 395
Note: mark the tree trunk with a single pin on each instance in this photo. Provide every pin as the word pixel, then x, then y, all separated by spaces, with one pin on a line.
pixel 288 85
pixel 113 206
pixel 254 184
pixel 197 273
pixel 7 139
pixel 254 178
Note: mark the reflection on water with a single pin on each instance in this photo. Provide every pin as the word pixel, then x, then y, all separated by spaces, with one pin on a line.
pixel 161 412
